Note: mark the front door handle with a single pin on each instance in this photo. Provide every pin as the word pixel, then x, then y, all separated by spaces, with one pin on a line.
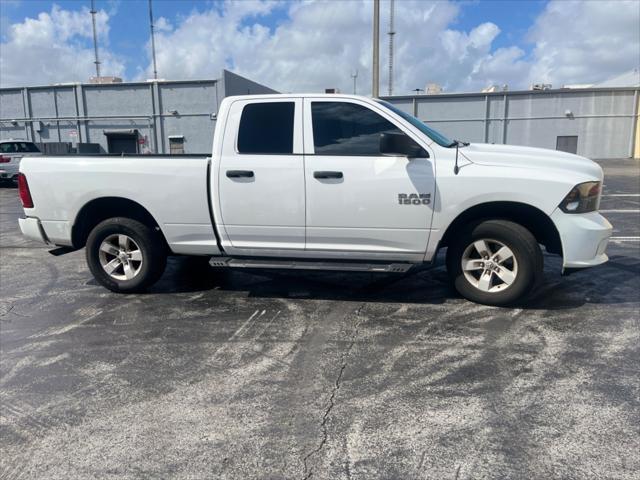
pixel 323 175
pixel 239 173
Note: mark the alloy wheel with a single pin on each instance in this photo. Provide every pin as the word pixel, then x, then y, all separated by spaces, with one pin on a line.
pixel 489 265
pixel 120 257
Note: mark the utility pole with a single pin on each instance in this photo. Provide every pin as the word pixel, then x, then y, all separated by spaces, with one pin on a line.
pixel 391 35
pixel 375 90
pixel 95 37
pixel 153 42
pixel 355 79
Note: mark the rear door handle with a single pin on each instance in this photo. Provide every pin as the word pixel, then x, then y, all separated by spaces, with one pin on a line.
pixel 239 173
pixel 327 175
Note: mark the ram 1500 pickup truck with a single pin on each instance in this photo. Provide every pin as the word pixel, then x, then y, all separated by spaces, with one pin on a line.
pixel 324 182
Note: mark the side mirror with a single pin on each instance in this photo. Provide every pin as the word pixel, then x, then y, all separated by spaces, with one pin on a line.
pixel 401 144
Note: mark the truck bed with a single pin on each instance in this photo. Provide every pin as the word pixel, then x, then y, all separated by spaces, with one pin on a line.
pixel 62 185
pixel 132 155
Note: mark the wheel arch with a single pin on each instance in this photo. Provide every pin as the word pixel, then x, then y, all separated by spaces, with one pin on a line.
pixel 530 217
pixel 100 209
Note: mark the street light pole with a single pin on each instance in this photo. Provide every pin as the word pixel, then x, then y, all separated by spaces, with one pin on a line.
pixel 375 89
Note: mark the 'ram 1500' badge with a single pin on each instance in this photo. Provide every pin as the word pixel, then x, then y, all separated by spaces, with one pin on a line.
pixel 414 198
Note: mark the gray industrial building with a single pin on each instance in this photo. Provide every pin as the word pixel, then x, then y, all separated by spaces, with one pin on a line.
pixel 141 117
pixel 593 122
pixel 179 116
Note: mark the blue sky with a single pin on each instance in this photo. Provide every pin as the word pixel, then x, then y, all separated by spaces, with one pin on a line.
pixel 463 45
pixel 514 18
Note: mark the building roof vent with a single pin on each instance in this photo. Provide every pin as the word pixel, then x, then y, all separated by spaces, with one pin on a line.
pixel 100 80
pixel 433 89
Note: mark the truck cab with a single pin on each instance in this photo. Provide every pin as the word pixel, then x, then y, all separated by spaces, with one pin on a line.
pixel 329 182
pixel 309 176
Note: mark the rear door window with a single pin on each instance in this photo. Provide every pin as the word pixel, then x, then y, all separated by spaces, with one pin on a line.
pixel 266 128
pixel 27 147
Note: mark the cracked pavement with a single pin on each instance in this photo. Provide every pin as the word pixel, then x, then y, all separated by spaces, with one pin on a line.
pixel 276 374
pixel 308 471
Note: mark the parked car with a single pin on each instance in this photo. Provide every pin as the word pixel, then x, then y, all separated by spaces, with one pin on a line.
pixel 11 152
pixel 332 182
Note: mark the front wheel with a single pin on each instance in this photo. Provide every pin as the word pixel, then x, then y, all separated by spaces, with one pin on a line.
pixel 495 262
pixel 125 255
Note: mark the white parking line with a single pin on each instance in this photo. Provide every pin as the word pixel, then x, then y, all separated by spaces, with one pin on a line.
pixel 625 239
pixel 621 211
pixel 621 195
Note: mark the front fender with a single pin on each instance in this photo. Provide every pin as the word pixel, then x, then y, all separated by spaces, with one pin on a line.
pixel 479 184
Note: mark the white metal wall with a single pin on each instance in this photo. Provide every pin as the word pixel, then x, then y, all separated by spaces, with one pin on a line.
pixel 82 112
pixel 602 119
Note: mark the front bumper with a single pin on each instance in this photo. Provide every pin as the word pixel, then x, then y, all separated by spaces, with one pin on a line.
pixel 584 238
pixel 32 228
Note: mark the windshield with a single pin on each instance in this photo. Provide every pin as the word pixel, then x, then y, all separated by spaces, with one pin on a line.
pixel 428 131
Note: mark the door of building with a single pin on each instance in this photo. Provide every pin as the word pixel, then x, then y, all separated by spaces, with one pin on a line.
pixel 567 144
pixel 122 142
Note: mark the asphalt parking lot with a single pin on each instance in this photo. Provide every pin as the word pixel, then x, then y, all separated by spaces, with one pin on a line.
pixel 295 375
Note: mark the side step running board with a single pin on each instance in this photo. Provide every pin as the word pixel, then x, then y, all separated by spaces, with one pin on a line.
pixel 307 265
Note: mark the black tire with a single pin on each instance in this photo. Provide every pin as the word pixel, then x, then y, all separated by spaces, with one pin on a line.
pixel 149 242
pixel 526 254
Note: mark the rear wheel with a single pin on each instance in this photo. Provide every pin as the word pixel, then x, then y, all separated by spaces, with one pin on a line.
pixel 125 255
pixel 495 262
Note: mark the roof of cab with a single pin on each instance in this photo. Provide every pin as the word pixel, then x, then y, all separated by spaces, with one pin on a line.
pixel 299 95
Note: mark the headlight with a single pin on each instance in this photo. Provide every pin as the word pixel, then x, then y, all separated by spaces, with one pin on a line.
pixel 582 198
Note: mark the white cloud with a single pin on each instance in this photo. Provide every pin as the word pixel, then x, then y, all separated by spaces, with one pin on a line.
pixel 205 42
pixel 318 45
pixel 321 43
pixel 585 42
pixel 55 47
pixel 162 25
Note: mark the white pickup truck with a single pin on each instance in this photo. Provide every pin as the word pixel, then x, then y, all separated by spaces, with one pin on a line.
pixel 324 182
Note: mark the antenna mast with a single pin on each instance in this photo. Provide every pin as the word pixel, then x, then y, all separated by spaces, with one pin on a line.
pixel 95 37
pixel 391 35
pixel 153 42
